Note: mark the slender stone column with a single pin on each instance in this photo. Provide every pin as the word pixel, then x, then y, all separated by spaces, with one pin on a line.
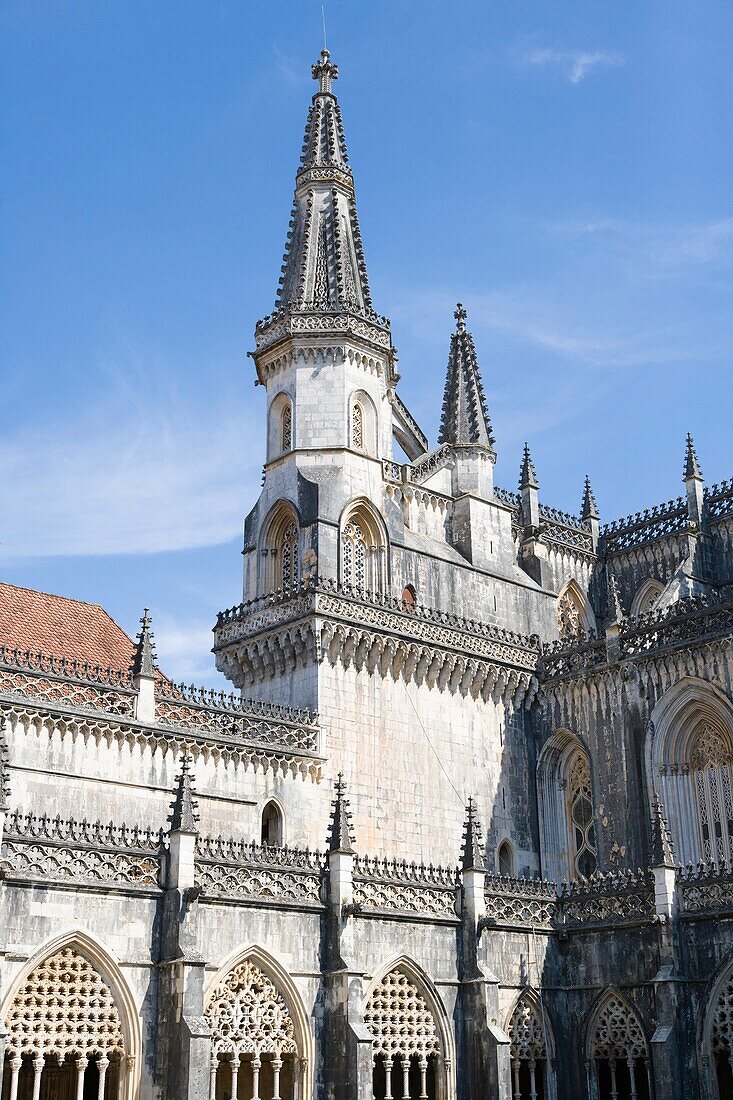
pixel 423 1079
pixel 235 1076
pixel 388 1078
pixel 276 1067
pixel 15 1064
pixel 37 1072
pixel 102 1066
pixel 212 1077
pixel 405 1077
pixel 256 1063
pixel 81 1065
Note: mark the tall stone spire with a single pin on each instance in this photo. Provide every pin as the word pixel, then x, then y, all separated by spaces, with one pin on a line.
pixel 143 661
pixel 465 420
pixel 472 856
pixel 184 814
pixel 589 508
pixel 324 268
pixel 692 464
pixel 527 473
pixel 341 831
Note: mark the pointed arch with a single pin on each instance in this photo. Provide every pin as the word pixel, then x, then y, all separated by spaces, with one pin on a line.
pixel 286 1007
pixel 280 549
pixel 363 556
pixel 505 859
pixel 532 1046
pixel 715 1031
pixel 388 993
pixel 272 823
pixel 566 807
pixel 646 597
pixel 363 423
pixel 616 1049
pixel 574 612
pixel 78 947
pixel 280 426
pixel 689 760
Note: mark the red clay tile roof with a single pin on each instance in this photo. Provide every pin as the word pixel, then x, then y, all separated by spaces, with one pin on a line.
pixel 62 628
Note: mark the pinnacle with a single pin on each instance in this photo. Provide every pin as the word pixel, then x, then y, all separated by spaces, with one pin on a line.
pixel 615 609
pixel 662 849
pixel 589 508
pixel 324 71
pixel 340 834
pixel 184 814
pixel 473 844
pixel 528 474
pixel 692 465
pixel 144 660
pixel 465 418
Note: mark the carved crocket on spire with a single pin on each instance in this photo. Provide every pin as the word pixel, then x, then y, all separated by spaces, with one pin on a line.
pixel 465 419
pixel 341 831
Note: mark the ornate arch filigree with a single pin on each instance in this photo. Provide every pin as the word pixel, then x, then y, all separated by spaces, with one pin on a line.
pixel 527 1046
pixel 281 549
pixel 573 615
pixel 64 1007
pixel 400 1020
pixel 247 1014
pixel 363 549
pixel 722 1030
pixel 617 1035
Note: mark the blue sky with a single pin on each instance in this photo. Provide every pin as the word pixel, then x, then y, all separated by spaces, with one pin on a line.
pixel 564 169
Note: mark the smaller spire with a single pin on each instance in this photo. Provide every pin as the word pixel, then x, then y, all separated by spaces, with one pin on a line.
pixel 615 610
pixel 341 831
pixel 528 474
pixel 473 843
pixel 465 418
pixel 324 71
pixel 692 466
pixel 184 813
pixel 589 508
pixel 144 661
pixel 662 852
pixel 460 315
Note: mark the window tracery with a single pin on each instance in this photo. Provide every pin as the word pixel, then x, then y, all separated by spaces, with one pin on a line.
pixel 722 1037
pixel 580 813
pixel 281 551
pixel 251 1024
pixel 357 426
pixel 620 1052
pixel 571 619
pixel 286 428
pixel 711 765
pixel 362 554
pixel 405 1039
pixel 527 1051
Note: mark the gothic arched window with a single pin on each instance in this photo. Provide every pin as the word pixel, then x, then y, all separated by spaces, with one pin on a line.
pixel 357 426
pixel 362 552
pixel 581 822
pixel 286 427
pixel 528 1050
pixel 646 598
pixel 619 1052
pixel 711 771
pixel 722 1038
pixel 405 1040
pixel 281 551
pixel 572 612
pixel 271 832
pixel 280 434
pixel 506 859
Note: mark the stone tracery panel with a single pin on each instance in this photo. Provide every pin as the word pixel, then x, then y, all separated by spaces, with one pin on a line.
pixel 527 1049
pixel 620 1051
pixel 404 1031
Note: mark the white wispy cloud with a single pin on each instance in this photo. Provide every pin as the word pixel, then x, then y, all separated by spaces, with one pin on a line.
pixel 573 65
pixel 141 471
pixel 667 248
pixel 184 650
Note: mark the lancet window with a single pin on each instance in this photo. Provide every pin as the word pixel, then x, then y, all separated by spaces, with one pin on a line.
pixel 572 615
pixel 286 427
pixel 581 822
pixel 506 859
pixel 357 426
pixel 272 825
pixel 281 551
pixel 620 1053
pixel 254 1049
pixel 722 1038
pixel 528 1052
pixel 711 771
pixel 64 1033
pixel 405 1040
pixel 362 553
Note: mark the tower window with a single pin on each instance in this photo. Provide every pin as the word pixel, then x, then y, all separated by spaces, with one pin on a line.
pixel 362 552
pixel 272 825
pixel 357 427
pixel 409 598
pixel 287 428
pixel 580 813
pixel 506 859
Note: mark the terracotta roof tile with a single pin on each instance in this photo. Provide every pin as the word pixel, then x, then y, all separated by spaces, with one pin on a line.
pixel 62 627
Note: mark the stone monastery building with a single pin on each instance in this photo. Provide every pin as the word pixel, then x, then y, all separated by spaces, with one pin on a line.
pixel 463 830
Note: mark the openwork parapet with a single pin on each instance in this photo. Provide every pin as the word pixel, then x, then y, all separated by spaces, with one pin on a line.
pixel 56 851
pixel 617 897
pixel 524 902
pixel 719 499
pixel 48 679
pixel 642 527
pixel 234 870
pixel 705 887
pixel 383 886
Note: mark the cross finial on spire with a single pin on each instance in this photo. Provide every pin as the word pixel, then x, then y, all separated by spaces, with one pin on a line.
pixel 340 835
pixel 589 508
pixel 460 316
pixel 144 661
pixel 184 814
pixel 692 465
pixel 324 71
pixel 473 844
pixel 528 474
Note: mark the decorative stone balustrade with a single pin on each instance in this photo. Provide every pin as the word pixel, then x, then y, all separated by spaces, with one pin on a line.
pixel 519 903
pixel 53 851
pixel 642 527
pixel 391 887
pixel 705 888
pixel 615 898
pixel 719 499
pixel 49 679
pixel 236 871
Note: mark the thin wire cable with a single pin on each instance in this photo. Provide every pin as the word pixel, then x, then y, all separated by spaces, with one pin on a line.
pixel 323 17
pixel 460 797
